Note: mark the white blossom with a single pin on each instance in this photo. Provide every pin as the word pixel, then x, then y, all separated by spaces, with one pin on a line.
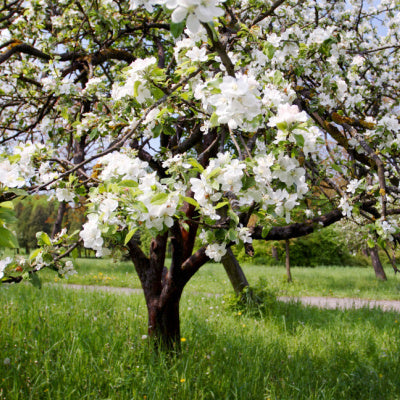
pixel 91 234
pixel 64 194
pixel 288 114
pixel 216 251
pixel 194 11
pixel 197 54
pixel 238 101
pixel 3 265
pixel 353 186
pixel 346 207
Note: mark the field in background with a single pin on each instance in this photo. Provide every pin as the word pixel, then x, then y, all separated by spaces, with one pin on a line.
pixel 58 343
pixel 319 281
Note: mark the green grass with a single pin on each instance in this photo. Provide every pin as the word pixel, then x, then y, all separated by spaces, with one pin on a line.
pixel 320 281
pixel 65 344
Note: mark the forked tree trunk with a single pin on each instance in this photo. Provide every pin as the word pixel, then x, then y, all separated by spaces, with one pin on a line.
pixel 287 261
pixel 163 287
pixel 234 271
pixel 376 263
pixel 163 319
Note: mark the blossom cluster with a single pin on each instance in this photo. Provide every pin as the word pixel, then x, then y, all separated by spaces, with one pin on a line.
pixel 238 102
pixel 194 11
pixel 17 169
pixel 136 84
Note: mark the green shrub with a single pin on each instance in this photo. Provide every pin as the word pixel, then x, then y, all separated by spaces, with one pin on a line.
pixel 324 247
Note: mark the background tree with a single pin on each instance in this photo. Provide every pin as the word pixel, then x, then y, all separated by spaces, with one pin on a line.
pixel 190 120
pixel 34 214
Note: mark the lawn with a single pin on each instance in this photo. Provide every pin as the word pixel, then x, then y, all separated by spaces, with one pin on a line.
pixel 58 343
pixel 320 281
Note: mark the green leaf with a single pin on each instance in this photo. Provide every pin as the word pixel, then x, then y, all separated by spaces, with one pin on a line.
pixel 168 130
pixel 157 131
pixel 7 204
pixel 381 243
pixel 282 126
pixel 129 235
pixel 371 243
pixel 232 235
pixel 214 173
pixel 299 140
pixel 7 216
pixel 177 28
pixel 34 254
pixel 191 201
pixel 248 182
pixel 232 215
pixel 140 206
pixel 135 88
pixel 159 198
pixel 157 93
pixel 194 163
pixel 128 183
pixel 214 120
pixel 7 239
pixel 222 204
pixel 265 231
pixel 270 50
pixel 43 238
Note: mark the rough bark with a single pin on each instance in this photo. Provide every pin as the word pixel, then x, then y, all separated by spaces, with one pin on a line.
pixel 376 263
pixel 163 287
pixel 234 271
pixel 163 315
pixel 287 261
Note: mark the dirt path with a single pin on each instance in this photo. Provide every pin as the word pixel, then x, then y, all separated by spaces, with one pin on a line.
pixel 322 302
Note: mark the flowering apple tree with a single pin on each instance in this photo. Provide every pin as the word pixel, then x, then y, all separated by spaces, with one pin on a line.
pixel 227 121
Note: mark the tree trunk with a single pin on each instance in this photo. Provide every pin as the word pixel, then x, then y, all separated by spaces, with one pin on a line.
pixel 376 263
pixel 287 261
pixel 163 288
pixel 60 215
pixel 274 253
pixel 234 271
pixel 163 322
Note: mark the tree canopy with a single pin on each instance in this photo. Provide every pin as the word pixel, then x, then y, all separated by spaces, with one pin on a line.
pixel 227 121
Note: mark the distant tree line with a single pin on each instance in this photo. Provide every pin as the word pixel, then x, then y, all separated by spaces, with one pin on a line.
pixel 38 213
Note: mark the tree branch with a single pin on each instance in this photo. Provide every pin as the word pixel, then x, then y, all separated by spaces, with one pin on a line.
pixel 297 229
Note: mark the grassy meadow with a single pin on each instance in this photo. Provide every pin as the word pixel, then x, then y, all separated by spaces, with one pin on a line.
pixel 321 281
pixel 58 343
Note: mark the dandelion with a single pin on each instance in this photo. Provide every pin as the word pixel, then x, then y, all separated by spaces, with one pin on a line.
pixel 244 325
pixel 239 313
pixel 144 337
pixel 7 361
pixel 182 380
pixel 183 339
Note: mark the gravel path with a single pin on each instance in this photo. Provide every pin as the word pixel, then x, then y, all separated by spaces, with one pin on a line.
pixel 322 302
